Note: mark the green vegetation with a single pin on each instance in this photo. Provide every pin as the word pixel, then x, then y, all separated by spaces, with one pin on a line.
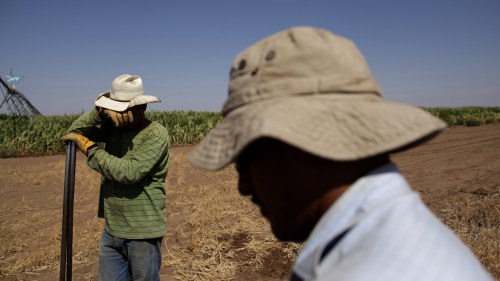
pixel 467 116
pixel 41 134
pixel 186 127
pixel 36 135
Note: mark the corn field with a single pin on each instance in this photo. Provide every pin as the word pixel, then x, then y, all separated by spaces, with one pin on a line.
pixel 21 136
pixel 39 135
pixel 467 116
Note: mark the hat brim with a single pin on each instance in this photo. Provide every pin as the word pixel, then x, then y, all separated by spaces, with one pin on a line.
pixel 104 101
pixel 330 126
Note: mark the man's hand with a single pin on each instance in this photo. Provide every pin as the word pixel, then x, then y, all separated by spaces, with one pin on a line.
pixel 82 142
pixel 120 119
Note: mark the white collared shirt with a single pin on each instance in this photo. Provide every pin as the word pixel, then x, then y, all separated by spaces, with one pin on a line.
pixel 394 236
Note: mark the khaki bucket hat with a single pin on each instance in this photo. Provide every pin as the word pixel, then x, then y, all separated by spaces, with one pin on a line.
pixel 126 91
pixel 312 89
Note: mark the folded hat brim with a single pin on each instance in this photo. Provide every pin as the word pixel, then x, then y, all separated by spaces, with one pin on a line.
pixel 104 101
pixel 330 126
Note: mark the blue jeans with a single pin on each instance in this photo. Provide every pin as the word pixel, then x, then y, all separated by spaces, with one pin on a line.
pixel 129 259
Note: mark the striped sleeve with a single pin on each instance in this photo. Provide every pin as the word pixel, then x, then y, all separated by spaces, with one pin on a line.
pixel 89 125
pixel 138 163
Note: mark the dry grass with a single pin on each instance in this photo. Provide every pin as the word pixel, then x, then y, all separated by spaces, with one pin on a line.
pixel 218 235
pixel 31 228
pixel 475 217
pixel 213 233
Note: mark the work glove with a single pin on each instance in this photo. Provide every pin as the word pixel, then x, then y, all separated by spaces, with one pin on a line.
pixel 82 142
pixel 120 119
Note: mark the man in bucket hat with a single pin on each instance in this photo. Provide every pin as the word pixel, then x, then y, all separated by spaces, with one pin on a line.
pixel 310 135
pixel 133 165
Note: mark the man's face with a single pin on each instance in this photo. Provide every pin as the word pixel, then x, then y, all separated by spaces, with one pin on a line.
pixel 280 179
pixel 138 115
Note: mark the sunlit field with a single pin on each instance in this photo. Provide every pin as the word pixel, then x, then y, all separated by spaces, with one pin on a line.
pixel 213 232
pixel 41 134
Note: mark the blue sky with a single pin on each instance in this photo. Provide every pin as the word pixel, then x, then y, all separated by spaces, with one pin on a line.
pixel 426 53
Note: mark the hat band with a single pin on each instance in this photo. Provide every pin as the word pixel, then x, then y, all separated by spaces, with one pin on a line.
pixel 124 95
pixel 299 86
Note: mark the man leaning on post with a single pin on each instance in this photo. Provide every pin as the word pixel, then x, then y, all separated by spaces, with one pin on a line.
pixel 133 165
pixel 310 134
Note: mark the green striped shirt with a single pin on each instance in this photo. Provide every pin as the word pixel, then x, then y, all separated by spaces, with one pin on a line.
pixel 133 165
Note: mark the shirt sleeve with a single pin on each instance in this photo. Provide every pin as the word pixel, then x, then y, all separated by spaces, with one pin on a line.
pixel 137 164
pixel 91 126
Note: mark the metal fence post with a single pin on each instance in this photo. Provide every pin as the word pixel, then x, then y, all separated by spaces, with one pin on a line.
pixel 65 273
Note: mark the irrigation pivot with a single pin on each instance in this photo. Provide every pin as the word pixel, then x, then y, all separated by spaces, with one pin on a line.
pixel 65 273
pixel 13 100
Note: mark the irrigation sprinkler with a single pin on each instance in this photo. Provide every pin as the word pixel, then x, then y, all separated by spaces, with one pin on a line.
pixel 65 273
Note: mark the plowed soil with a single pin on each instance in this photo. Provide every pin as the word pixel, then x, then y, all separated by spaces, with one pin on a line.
pixel 457 174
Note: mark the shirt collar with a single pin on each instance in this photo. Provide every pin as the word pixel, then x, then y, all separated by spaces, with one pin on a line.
pixel 366 193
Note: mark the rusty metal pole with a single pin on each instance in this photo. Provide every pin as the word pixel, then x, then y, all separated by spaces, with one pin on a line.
pixel 66 270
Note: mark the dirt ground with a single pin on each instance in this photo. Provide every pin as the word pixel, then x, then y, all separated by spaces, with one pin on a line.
pixel 211 229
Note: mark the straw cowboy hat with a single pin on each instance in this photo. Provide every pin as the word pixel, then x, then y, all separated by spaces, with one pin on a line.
pixel 312 89
pixel 126 91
